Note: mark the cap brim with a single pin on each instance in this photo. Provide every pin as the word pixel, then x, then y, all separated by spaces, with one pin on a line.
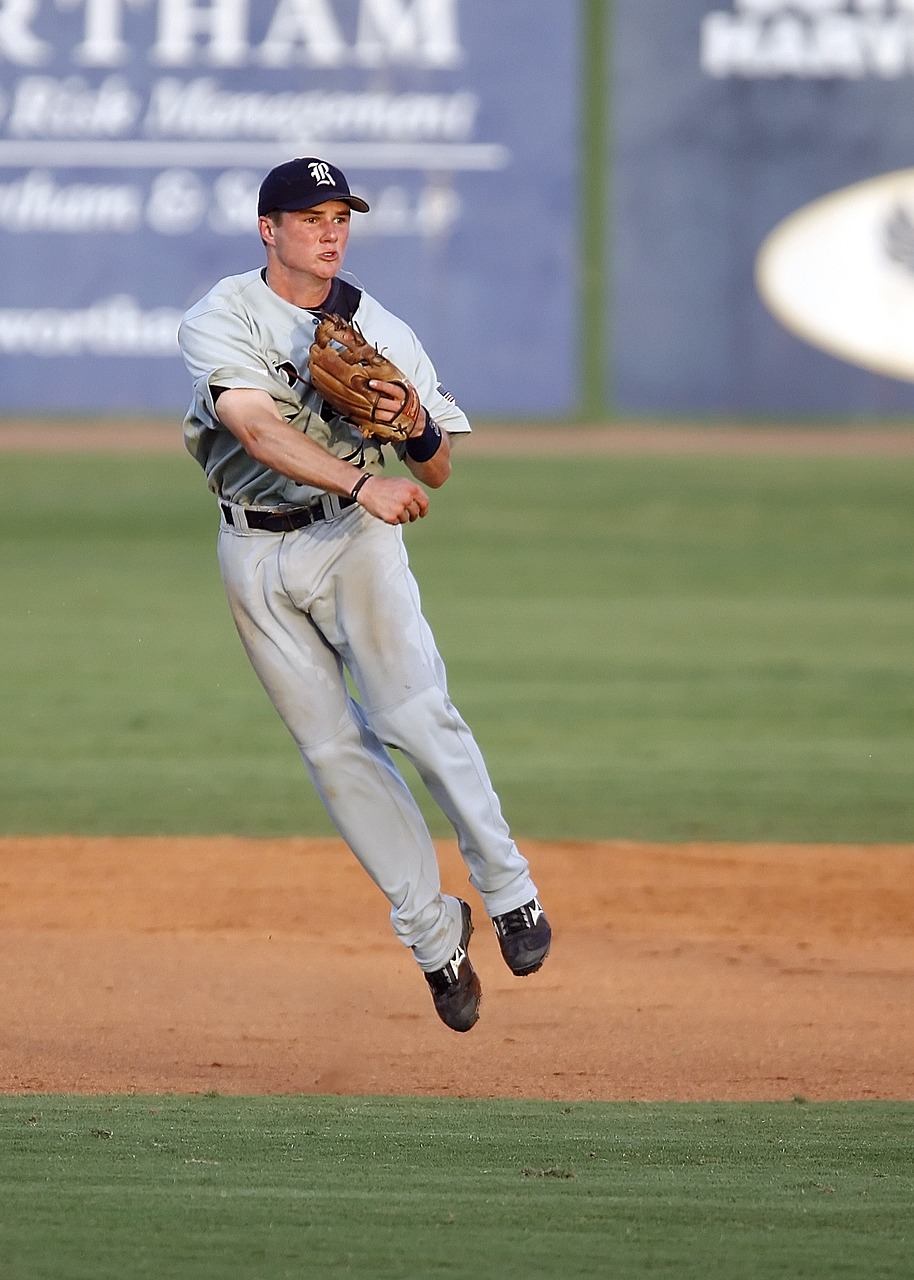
pixel 354 202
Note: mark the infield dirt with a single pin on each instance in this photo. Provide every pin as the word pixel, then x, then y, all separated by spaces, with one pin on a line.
pixel 731 972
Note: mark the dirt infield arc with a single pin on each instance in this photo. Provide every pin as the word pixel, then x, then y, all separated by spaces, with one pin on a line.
pixel 267 966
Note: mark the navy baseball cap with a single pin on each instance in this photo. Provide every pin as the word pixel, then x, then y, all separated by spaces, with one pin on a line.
pixel 302 184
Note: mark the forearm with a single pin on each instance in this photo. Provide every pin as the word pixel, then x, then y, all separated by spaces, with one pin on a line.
pixel 254 419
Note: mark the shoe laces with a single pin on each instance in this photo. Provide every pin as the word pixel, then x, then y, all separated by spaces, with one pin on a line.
pixel 519 920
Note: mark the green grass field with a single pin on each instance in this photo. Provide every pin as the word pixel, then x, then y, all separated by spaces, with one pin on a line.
pixel 396 1189
pixel 648 648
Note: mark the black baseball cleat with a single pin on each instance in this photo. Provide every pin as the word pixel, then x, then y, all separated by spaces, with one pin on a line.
pixel 455 988
pixel 524 936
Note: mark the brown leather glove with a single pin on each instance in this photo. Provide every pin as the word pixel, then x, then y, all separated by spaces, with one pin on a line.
pixel 341 362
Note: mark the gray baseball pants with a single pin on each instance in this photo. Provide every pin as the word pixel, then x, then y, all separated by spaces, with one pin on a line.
pixel 339 596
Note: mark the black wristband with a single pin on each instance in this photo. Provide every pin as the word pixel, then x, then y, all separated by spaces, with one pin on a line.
pixel 363 479
pixel 421 448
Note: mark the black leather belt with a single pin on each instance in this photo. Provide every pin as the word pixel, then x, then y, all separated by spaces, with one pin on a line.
pixel 282 521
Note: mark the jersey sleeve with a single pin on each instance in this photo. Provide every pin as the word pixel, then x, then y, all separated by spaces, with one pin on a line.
pixel 396 339
pixel 220 353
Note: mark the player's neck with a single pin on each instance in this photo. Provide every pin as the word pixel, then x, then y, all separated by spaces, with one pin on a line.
pixel 298 288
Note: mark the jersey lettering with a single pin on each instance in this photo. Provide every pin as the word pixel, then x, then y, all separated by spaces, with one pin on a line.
pixel 289 372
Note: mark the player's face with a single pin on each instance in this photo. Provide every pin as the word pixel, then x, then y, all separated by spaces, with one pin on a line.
pixel 310 242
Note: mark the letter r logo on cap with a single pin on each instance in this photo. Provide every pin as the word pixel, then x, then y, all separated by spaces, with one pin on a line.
pixel 320 172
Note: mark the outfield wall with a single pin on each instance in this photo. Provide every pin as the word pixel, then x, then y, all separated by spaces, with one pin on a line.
pixel 538 172
pixel 134 138
pixel 762 226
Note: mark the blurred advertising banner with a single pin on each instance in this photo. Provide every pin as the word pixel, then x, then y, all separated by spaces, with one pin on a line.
pixel 762 195
pixel 134 135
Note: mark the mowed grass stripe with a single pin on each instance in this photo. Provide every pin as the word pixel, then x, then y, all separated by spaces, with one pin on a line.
pixel 214 1186
pixel 648 648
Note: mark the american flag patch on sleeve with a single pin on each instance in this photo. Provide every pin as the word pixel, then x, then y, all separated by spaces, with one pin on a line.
pixel 445 394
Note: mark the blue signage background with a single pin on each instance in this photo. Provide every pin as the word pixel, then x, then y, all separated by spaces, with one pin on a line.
pixel 133 138
pixel 726 116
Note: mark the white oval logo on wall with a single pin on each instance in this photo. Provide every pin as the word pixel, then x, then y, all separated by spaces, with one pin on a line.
pixel 839 273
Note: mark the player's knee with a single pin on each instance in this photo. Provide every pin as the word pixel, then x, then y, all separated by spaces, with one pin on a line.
pixel 412 723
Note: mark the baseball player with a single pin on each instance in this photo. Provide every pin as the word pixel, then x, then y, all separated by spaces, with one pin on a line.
pixel 312 557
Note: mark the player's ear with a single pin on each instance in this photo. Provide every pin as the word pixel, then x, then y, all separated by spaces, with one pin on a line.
pixel 267 228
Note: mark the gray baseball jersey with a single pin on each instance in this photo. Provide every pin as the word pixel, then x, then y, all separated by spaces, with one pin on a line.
pixel 242 334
